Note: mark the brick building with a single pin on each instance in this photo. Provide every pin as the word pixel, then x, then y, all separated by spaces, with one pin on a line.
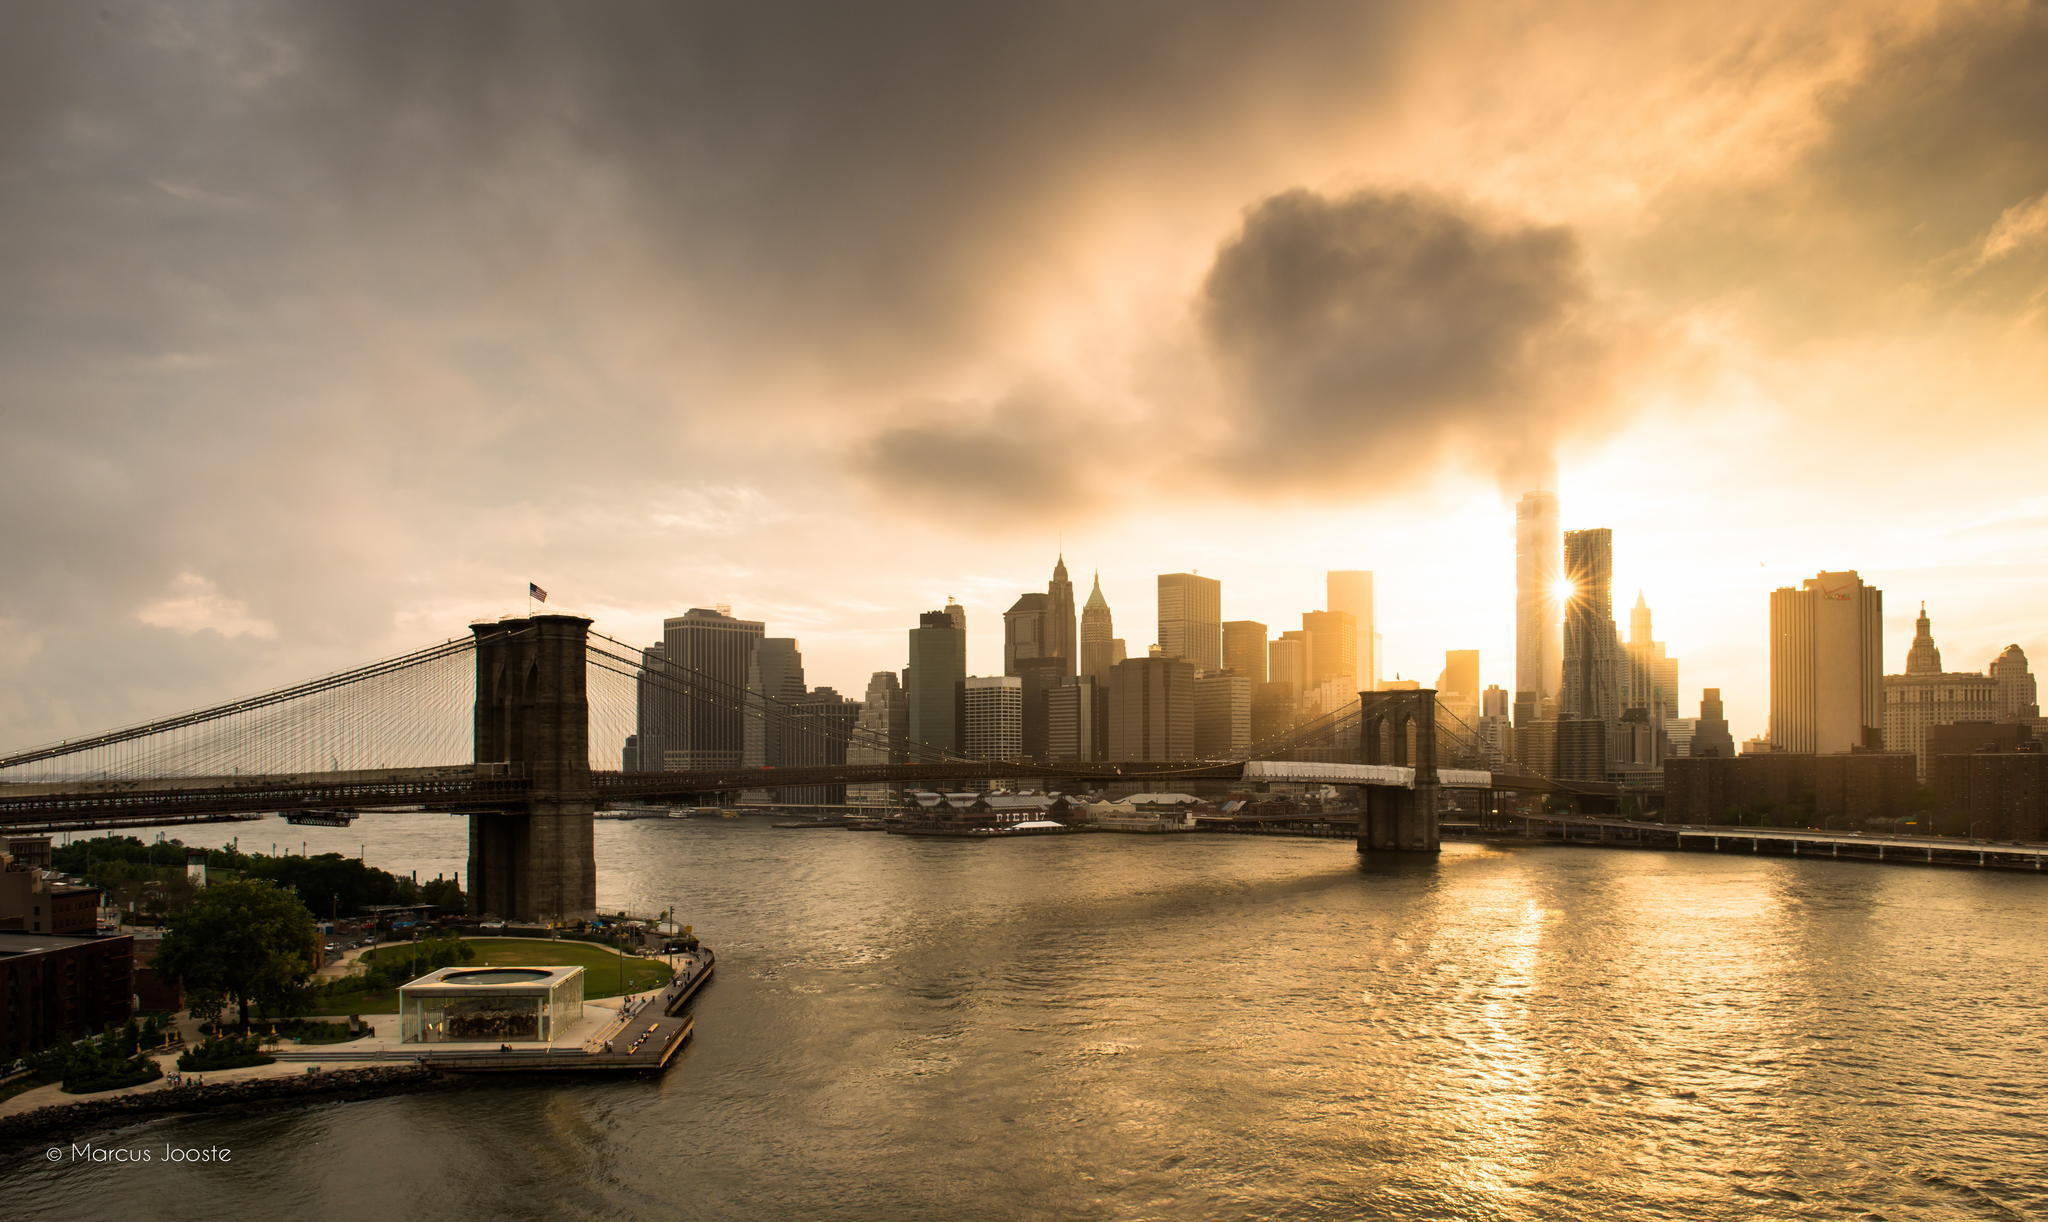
pixel 1992 795
pixel 54 988
pixel 1787 789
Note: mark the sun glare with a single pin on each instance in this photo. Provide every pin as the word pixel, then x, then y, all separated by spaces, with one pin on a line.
pixel 1562 590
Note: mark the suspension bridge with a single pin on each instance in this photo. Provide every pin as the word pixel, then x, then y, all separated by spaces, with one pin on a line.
pixel 518 726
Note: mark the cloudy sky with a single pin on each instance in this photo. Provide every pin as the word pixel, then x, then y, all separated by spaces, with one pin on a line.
pixel 328 326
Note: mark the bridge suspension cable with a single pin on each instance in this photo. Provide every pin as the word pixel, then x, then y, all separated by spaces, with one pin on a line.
pixel 413 708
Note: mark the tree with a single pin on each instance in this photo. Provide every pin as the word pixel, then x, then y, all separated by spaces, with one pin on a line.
pixel 245 941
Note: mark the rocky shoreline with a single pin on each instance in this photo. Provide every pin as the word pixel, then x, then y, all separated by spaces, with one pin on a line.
pixel 113 1112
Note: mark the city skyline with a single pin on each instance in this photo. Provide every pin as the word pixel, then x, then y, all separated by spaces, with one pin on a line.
pixel 235 321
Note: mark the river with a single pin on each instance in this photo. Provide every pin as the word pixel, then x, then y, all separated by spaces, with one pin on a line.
pixel 1140 1027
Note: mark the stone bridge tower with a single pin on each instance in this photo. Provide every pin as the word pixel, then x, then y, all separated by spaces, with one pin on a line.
pixel 534 862
pixel 1399 728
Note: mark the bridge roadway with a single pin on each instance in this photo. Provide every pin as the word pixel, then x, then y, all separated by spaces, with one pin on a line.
pixel 482 788
pixel 1797 841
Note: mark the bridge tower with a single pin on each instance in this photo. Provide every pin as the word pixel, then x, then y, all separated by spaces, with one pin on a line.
pixel 534 862
pixel 1389 819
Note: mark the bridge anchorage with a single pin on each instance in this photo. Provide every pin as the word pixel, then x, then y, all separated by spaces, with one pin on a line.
pixel 506 738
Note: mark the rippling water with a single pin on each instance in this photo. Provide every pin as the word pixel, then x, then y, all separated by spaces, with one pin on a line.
pixel 1218 1027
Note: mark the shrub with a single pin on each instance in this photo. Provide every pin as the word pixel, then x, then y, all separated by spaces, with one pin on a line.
pixel 102 1073
pixel 234 1052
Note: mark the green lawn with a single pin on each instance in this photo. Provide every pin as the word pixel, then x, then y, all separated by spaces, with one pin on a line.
pixel 600 966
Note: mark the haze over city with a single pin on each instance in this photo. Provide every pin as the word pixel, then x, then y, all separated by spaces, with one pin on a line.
pixel 335 325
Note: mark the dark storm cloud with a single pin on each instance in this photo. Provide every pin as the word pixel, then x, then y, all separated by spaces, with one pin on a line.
pixel 333 305
pixel 1375 331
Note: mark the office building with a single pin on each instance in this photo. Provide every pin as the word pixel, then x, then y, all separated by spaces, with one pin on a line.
pixel 1191 619
pixel 1244 649
pixel 1025 627
pixel 1152 710
pixel 1827 660
pixel 994 717
pixel 1223 715
pixel 1038 678
pixel 1287 661
pixel 58 988
pixel 1457 688
pixel 1076 720
pixel 1061 638
pixel 1926 696
pixel 2017 700
pixel 1592 650
pixel 1652 671
pixel 878 733
pixel 1539 640
pixel 1496 730
pixel 822 738
pixel 644 747
pixel 1710 735
pixel 1332 680
pixel 1788 789
pixel 703 647
pixel 775 680
pixel 1351 592
pixel 2001 794
pixel 1100 649
pixel 934 683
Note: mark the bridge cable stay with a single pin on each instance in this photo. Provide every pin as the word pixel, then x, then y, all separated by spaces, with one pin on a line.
pixel 406 711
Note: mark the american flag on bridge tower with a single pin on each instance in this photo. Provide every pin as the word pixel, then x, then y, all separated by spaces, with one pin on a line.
pixel 536 593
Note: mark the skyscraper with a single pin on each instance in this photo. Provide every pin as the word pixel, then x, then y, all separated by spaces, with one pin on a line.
pixel 1223 715
pixel 1098 634
pixel 1152 710
pixel 1075 720
pixel 1827 659
pixel 994 717
pixel 1025 627
pixel 698 646
pixel 1539 648
pixel 1457 686
pixel 824 738
pixel 650 688
pixel 935 681
pixel 2017 698
pixel 1652 673
pixel 1592 651
pixel 1287 661
pixel 1244 649
pixel 1332 681
pixel 1061 640
pixel 884 722
pixel 1191 619
pixel 1710 736
pixel 1350 591
pixel 775 677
